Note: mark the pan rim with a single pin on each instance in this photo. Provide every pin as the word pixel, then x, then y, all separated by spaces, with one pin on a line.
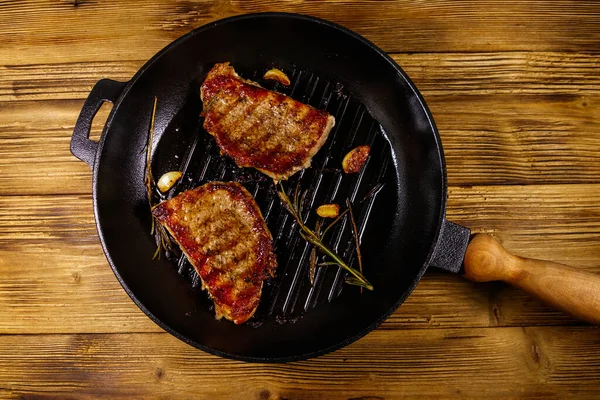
pixel 374 324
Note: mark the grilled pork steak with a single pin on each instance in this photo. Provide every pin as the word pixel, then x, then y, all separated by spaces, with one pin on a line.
pixel 260 128
pixel 220 229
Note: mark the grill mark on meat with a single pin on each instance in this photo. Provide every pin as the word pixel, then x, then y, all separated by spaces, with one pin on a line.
pixel 223 236
pixel 220 229
pixel 292 131
pixel 270 141
pixel 250 117
pixel 226 104
pixel 260 128
pixel 219 244
pixel 235 114
pixel 249 124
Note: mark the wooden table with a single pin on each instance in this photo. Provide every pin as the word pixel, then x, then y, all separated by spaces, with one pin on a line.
pixel 514 87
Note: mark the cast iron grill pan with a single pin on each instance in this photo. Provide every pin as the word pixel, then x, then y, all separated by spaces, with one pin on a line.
pixel 373 102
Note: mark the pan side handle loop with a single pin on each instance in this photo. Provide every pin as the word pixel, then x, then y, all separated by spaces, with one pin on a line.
pixel 449 252
pixel 82 146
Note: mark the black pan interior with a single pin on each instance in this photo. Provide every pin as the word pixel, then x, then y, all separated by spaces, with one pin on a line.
pixel 374 103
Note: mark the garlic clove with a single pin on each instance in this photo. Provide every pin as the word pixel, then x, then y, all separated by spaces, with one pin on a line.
pixel 355 159
pixel 167 180
pixel 328 210
pixel 277 75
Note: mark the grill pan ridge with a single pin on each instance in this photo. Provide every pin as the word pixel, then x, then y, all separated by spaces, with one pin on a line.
pixel 288 295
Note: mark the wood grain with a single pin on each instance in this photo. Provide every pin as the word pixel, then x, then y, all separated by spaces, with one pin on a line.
pixel 563 217
pixel 449 26
pixel 60 81
pixel 551 73
pixel 51 242
pixel 34 151
pixel 58 288
pixel 518 139
pixel 539 363
pixel 33 31
pixel 537 214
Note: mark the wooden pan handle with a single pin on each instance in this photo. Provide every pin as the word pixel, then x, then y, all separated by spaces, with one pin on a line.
pixel 568 289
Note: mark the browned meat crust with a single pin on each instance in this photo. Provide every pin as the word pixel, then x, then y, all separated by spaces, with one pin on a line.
pixel 260 128
pixel 220 229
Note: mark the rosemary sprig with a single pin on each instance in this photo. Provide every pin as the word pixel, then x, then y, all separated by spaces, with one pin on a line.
pixel 163 240
pixel 148 178
pixel 311 237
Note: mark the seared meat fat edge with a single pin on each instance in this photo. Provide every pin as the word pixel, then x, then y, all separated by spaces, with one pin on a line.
pixel 260 128
pixel 221 230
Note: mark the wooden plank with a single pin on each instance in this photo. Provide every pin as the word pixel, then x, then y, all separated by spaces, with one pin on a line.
pixel 518 139
pixel 495 73
pixel 554 222
pixel 71 289
pixel 514 215
pixel 500 363
pixel 58 288
pixel 66 219
pixel 56 278
pixel 526 218
pixel 433 73
pixel 34 152
pixel 449 26
pixel 64 81
pixel 33 31
pixel 500 139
